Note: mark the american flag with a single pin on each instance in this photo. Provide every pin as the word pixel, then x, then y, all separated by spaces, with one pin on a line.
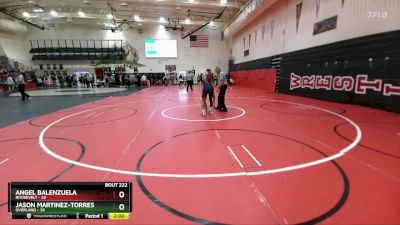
pixel 199 41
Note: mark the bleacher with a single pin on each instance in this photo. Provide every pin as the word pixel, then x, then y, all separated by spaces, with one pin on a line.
pixel 76 49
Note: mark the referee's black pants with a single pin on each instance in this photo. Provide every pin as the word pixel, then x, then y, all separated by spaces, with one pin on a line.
pixel 21 88
pixel 189 83
pixel 221 98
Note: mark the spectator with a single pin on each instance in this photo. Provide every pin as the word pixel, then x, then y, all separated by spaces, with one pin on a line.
pixel 144 80
pixel 180 80
pixel 132 79
pixel 112 80
pixel 80 80
pixel 60 80
pixel 69 81
pixel 123 79
pixel 10 84
pixel 89 80
pixel 106 80
pixel 200 79
pixel 39 81
pixel 74 81
pixel 92 81
pixel 54 80
pixel 165 80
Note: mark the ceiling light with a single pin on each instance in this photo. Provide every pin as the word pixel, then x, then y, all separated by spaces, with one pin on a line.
pixel 53 13
pixel 212 23
pixel 191 1
pixel 140 24
pixel 123 4
pixel 187 21
pixel 81 14
pixel 69 19
pixel 136 17
pixel 31 2
pixel 26 14
pixel 109 16
pixel 87 2
pixel 38 10
pixel 223 2
pixel 162 20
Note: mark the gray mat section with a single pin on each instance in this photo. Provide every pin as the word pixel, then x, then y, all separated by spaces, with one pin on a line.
pixel 13 110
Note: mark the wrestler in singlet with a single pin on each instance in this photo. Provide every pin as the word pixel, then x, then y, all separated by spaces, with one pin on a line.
pixel 208 89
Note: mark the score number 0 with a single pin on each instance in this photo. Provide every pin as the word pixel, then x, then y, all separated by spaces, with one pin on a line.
pixel 121 194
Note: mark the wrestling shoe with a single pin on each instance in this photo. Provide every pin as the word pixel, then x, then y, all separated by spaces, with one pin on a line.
pixel 203 113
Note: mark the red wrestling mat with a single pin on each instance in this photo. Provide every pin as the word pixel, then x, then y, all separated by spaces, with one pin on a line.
pixel 271 159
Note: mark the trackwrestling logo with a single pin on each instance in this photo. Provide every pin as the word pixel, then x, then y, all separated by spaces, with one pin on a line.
pixel 360 84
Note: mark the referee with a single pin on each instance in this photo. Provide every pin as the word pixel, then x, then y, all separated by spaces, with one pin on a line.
pixel 21 87
pixel 189 82
pixel 222 84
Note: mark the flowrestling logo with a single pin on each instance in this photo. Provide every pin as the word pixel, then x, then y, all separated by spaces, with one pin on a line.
pixel 360 84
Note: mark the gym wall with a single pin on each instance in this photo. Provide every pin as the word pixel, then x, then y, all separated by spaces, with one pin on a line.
pixel 200 59
pixel 356 60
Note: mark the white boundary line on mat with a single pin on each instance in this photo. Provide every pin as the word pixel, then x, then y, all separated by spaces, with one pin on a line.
pixel 212 175
pixel 163 113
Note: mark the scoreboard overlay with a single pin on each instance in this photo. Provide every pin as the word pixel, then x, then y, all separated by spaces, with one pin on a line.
pixel 70 200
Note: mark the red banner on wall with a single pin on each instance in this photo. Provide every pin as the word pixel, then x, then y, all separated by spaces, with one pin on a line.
pixel 272 28
pixel 298 14
pixel 317 6
pixel 264 79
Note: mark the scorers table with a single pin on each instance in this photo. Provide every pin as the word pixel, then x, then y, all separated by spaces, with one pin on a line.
pixel 70 200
